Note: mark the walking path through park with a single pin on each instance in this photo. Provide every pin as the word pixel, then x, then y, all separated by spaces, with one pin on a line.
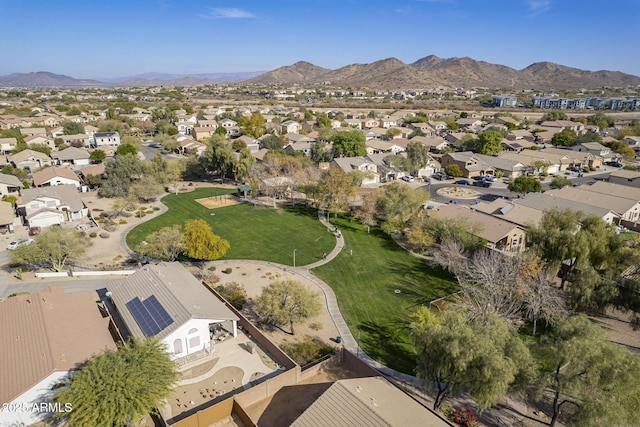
pixel 512 412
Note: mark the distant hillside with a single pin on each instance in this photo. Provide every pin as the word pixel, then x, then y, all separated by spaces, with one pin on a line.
pixel 432 71
pixel 47 79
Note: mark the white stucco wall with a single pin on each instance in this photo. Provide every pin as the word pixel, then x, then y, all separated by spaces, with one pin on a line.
pixel 26 409
pixel 182 334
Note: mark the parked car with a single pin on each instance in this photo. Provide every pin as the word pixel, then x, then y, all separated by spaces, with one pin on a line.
pixel 462 182
pixel 19 242
pixel 407 178
pixel 33 231
pixel 614 164
pixel 440 176
pixel 574 169
pixel 482 183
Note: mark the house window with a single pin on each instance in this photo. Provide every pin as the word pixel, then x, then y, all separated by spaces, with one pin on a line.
pixel 194 341
pixel 177 346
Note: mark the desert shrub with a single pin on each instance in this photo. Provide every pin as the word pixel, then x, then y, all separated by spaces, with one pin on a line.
pixel 233 292
pixel 315 326
pixel 212 268
pixel 126 214
pixel 93 234
pixel 103 215
pixel 122 221
pixel 307 350
pixel 156 208
pixel 149 211
pixel 105 234
pixel 110 228
pixel 227 270
pixel 190 184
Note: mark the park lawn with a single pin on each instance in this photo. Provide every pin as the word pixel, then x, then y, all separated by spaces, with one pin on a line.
pixel 366 285
pixel 254 232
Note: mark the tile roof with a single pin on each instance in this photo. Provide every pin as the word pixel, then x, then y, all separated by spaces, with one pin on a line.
pixel 492 229
pixel 177 290
pixel 366 402
pixel 73 153
pixel 42 176
pixel 45 332
pixel 67 194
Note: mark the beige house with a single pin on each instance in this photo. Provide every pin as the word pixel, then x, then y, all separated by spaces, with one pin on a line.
pixel 362 164
pixel 499 234
pixel 45 336
pixel 468 162
pixel 55 175
pixel 30 160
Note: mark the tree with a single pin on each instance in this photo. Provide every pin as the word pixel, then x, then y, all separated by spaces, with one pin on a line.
pixel 323 120
pixel 335 190
pixel 286 302
pixel 398 203
pixel 97 156
pixel 366 212
pixel 72 128
pixel 349 144
pixel 525 184
pixel 553 116
pixel 393 132
pixel 272 142
pixel 219 157
pixel 597 378
pixel 565 138
pixel 120 172
pixel 126 149
pixel 165 244
pixel 481 356
pixel 255 126
pixel 117 388
pixel 418 155
pixel 489 142
pixel 559 182
pixel 234 293
pixel 623 149
pixel 202 243
pixel 320 152
pixel 453 170
pixel 55 246
pixel 146 189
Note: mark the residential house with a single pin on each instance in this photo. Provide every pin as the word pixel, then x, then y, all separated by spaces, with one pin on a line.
pixel 468 162
pixel 456 138
pixel 520 134
pixel 203 133
pixel 498 233
pixel 469 123
pixel 77 140
pixel 362 164
pixel 628 209
pixel 290 126
pixel 10 185
pixel 375 146
pixel 508 167
pixel 55 175
pixel 296 138
pixel 7 145
pixel 371 401
pixel 354 123
pixel 300 146
pixel 577 127
pixel 189 145
pixel 8 219
pixel 45 336
pixel 577 158
pixel 369 123
pixel 45 206
pixel 30 160
pixel 425 128
pixel 438 126
pixel 73 156
pixel 106 138
pixel 435 143
pixel 523 216
pixel 33 131
pixel 167 302
pixel 546 201
pixel 92 170
pixel 387 122
pixel 517 145
pixel 207 124
pixel 625 177
pixel 633 141
pixel 40 140
pixel 597 149
pixel 540 160
pixel 507 121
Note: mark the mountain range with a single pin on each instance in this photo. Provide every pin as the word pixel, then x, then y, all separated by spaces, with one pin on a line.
pixel 387 74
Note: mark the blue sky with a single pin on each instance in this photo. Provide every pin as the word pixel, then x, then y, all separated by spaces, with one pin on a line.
pixel 113 38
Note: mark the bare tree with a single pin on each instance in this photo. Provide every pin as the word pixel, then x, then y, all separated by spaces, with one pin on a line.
pixel 490 279
pixel 542 300
pixel 449 255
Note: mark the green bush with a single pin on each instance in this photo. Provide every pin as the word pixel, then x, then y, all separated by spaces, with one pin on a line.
pixel 307 350
pixel 93 234
pixel 122 221
pixel 234 293
pixel 227 270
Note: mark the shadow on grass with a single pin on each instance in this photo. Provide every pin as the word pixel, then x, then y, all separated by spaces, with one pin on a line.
pixel 421 283
pixel 389 342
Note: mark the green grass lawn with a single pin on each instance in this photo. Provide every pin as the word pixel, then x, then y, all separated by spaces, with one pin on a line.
pixel 365 284
pixel 254 232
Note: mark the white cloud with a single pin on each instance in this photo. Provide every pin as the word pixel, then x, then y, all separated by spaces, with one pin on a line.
pixel 538 7
pixel 227 13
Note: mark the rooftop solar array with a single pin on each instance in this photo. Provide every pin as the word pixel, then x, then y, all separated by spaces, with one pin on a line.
pixel 150 315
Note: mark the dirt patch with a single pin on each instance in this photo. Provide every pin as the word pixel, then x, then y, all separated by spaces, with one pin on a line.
pixel 218 201
pixel 458 193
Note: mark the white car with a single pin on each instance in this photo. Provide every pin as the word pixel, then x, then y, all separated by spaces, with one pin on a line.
pixel 19 242
pixel 407 178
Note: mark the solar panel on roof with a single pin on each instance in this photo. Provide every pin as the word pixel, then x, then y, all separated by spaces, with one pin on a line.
pixel 149 314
